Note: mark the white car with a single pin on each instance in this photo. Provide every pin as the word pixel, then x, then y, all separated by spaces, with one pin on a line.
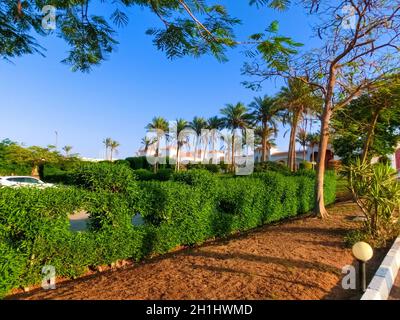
pixel 23 181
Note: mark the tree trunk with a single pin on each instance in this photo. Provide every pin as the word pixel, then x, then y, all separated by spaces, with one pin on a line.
pixel 35 171
pixel 319 208
pixel 233 151
pixel 370 136
pixel 312 156
pixel 177 157
pixel 292 142
pixel 264 142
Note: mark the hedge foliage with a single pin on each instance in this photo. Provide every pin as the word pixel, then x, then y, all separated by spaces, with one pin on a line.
pixel 188 209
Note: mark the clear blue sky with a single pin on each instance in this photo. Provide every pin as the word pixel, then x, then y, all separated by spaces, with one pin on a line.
pixel 40 95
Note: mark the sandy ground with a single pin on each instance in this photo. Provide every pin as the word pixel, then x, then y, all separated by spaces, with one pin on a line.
pixel 300 259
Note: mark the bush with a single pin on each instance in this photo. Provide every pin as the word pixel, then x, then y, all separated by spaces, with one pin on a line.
pixel 244 198
pixel 12 265
pixel 104 176
pixel 164 174
pixel 271 166
pixel 192 207
pixel 138 163
pixel 282 200
pixel 144 175
pixel 305 165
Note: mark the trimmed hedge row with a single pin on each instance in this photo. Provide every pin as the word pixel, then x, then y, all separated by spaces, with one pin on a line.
pixel 195 206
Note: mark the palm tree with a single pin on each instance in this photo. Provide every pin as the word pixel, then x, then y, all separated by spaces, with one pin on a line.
pixel 107 143
pixel 113 148
pixel 213 124
pixel 161 126
pixel 146 142
pixel 301 138
pixel 197 124
pixel 266 112
pixel 268 135
pixel 67 150
pixel 313 140
pixel 181 125
pixel 298 100
pixel 236 117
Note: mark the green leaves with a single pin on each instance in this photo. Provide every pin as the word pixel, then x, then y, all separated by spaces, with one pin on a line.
pixel 376 191
pixel 275 4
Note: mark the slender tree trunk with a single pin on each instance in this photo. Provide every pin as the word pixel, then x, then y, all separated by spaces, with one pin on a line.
pixel 111 154
pixel 177 157
pixel 313 156
pixel 155 169
pixel 233 151
pixel 370 136
pixel 292 141
pixel 319 207
pixel 264 142
pixel 35 171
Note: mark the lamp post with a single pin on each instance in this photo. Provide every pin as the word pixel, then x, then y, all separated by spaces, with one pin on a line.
pixel 363 252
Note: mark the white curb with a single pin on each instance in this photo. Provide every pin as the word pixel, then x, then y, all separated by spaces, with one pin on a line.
pixel 381 284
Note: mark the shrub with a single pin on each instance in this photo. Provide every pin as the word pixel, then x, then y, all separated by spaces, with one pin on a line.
pixel 244 198
pixel 330 187
pixel 271 166
pixel 144 175
pixel 104 176
pixel 12 265
pixel 282 200
pixel 164 174
pixel 214 168
pixel 202 179
pixel 194 206
pixel 305 165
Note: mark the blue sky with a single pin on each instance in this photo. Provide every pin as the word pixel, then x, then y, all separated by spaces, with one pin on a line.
pixel 40 95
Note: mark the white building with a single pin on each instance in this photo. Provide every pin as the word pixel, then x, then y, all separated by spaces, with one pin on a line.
pixel 311 155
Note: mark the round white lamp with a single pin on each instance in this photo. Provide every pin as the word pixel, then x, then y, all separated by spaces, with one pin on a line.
pixel 363 252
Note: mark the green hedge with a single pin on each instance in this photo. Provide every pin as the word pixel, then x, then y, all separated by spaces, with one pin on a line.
pixel 194 206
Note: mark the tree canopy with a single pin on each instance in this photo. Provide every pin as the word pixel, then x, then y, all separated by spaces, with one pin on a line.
pixel 187 27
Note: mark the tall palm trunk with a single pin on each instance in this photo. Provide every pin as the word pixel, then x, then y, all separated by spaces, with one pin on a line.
pixel 292 147
pixel 177 157
pixel 264 142
pixel 233 152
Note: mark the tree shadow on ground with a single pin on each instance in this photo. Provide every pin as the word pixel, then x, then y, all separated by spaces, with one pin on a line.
pixel 286 262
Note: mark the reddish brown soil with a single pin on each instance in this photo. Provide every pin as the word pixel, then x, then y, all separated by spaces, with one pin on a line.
pixel 395 292
pixel 300 259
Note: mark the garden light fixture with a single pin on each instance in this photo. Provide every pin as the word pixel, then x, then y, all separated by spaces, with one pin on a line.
pixel 363 252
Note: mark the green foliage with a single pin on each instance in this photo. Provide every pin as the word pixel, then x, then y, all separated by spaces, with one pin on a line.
pixel 104 176
pixel 138 163
pixel 144 174
pixel 194 206
pixel 271 166
pixel 12 265
pixel 351 126
pixel 189 28
pixel 376 191
pixel 306 165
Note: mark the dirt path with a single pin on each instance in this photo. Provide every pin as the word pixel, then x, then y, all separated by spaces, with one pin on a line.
pixel 301 259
